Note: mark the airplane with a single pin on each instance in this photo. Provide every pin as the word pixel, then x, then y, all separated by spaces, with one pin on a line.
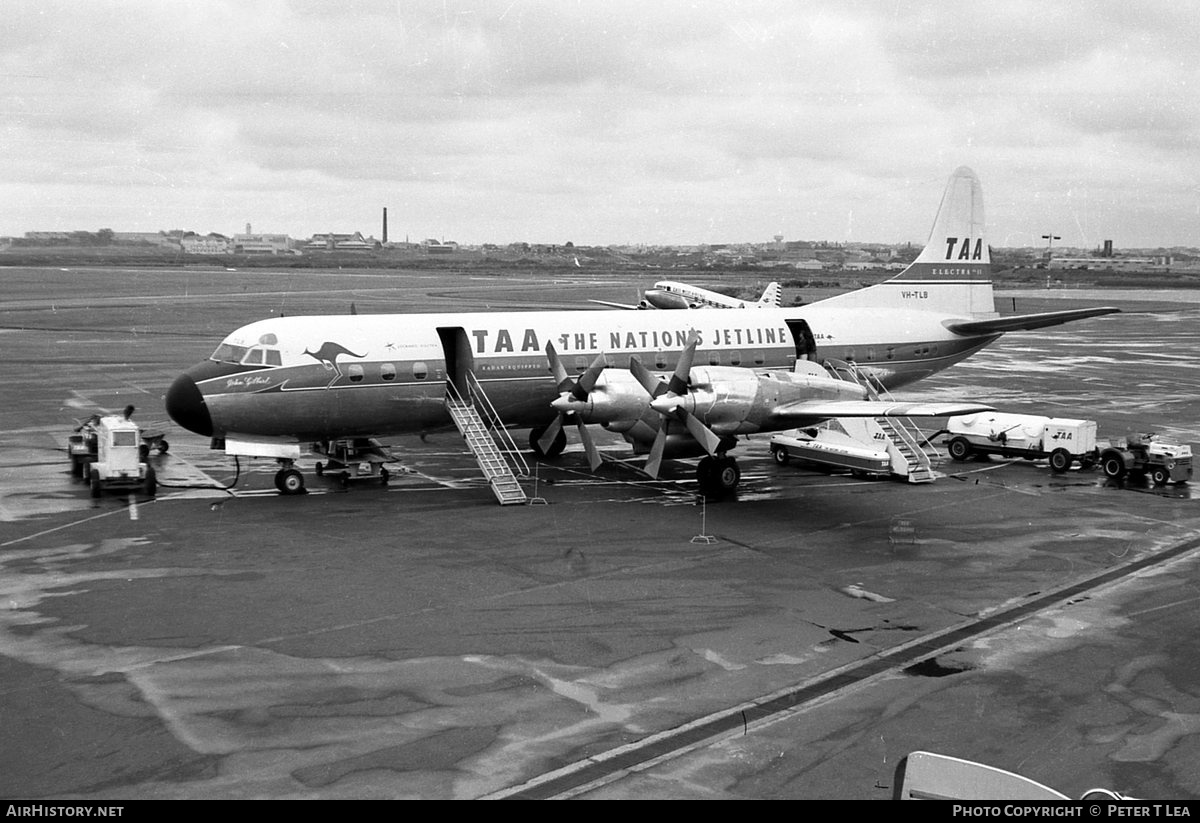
pixel 673 384
pixel 669 294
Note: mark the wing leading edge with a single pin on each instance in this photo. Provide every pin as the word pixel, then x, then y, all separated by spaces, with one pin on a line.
pixel 1025 322
pixel 807 412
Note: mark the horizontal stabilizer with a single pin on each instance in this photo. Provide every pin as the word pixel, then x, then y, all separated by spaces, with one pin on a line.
pixel 807 412
pixel 1025 322
pixel 612 305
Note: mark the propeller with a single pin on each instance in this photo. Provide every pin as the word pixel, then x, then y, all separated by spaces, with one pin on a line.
pixel 667 400
pixel 572 395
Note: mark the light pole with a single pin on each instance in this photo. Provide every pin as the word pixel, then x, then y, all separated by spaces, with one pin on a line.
pixel 1049 238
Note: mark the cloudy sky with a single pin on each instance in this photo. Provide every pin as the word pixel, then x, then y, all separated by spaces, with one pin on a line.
pixel 602 122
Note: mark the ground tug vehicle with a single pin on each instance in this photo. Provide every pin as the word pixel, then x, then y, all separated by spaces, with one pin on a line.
pixel 1147 455
pixel 1062 441
pixel 109 453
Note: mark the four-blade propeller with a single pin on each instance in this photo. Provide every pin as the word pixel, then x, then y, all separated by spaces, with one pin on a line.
pixel 667 399
pixel 572 398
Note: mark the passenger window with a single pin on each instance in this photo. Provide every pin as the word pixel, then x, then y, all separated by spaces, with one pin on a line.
pixel 714 358
pixel 420 370
pixel 387 371
pixel 735 358
pixel 356 372
pixel 759 358
pixel 660 360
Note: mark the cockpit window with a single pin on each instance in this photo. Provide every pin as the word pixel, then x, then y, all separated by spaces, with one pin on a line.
pixel 226 353
pixel 244 355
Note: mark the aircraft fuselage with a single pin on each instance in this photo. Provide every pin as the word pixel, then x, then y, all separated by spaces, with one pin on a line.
pixel 337 376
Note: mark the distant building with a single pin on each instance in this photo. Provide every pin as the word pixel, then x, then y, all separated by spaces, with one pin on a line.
pixel 332 241
pixel 439 247
pixel 151 238
pixel 808 265
pixel 1155 263
pixel 261 244
pixel 208 244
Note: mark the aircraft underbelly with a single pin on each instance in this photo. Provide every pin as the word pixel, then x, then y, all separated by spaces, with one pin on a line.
pixel 332 413
pixel 369 410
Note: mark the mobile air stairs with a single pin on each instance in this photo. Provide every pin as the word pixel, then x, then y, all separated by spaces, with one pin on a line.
pixel 912 456
pixel 480 426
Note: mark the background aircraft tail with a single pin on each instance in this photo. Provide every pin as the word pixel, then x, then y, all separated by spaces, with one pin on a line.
pixel 952 275
pixel 770 296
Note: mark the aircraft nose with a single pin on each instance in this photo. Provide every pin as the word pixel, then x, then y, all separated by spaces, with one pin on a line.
pixel 186 406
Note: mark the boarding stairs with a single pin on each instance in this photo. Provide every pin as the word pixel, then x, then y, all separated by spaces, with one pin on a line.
pixel 912 455
pixel 479 425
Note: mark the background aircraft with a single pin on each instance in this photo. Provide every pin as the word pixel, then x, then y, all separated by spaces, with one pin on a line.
pixel 673 384
pixel 669 294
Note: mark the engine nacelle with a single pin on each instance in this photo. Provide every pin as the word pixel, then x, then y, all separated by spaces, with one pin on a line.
pixel 616 399
pixel 731 400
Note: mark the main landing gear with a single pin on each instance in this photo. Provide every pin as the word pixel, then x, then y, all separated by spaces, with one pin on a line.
pixel 718 476
pixel 288 479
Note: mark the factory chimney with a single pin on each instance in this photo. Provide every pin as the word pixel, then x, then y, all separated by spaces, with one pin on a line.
pixel 385 225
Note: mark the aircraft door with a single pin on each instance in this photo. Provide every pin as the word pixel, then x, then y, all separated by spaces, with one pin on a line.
pixel 806 344
pixel 456 348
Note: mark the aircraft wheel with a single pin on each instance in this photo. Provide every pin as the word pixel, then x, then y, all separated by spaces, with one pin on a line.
pixel 163 445
pixel 150 483
pixel 289 481
pixel 94 481
pixel 781 456
pixel 344 480
pixel 1113 467
pixel 320 469
pixel 384 474
pixel 960 449
pixel 556 447
pixel 1159 475
pixel 1060 460
pixel 718 476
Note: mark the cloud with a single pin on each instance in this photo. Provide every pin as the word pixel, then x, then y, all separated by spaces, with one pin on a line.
pixel 611 122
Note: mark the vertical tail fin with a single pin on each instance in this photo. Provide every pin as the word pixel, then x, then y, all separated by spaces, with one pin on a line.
pixel 952 274
pixel 771 296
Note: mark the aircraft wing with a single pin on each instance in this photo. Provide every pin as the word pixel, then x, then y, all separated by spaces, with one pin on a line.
pixel 614 305
pixel 1025 322
pixel 808 412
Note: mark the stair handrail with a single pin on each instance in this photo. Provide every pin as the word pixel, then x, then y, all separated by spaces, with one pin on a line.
pixel 509 446
pixel 876 390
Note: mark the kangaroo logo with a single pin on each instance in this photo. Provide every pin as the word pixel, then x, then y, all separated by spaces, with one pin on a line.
pixel 328 355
